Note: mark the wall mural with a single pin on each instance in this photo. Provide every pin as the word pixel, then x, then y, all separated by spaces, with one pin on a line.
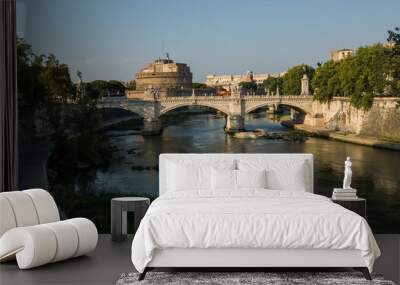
pixel 88 141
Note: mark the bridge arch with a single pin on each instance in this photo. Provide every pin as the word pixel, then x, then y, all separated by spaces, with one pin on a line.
pixel 136 112
pixel 180 105
pixel 300 109
pixel 295 107
pixel 262 105
pixel 136 109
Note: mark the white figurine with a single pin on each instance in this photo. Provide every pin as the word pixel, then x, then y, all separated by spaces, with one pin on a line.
pixel 347 174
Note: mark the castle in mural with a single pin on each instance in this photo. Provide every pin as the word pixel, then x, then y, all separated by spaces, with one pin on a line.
pixel 164 74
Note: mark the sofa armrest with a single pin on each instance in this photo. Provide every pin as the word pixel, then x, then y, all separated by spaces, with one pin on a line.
pixel 32 246
pixel 40 244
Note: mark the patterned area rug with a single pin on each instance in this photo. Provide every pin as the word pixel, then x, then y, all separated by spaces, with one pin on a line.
pixel 244 278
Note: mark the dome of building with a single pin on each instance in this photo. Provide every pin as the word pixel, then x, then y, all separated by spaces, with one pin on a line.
pixel 164 74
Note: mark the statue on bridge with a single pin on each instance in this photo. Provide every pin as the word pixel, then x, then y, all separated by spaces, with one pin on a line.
pixel 151 92
pixel 305 85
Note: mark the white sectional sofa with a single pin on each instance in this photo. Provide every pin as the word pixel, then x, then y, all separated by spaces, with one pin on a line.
pixel 31 231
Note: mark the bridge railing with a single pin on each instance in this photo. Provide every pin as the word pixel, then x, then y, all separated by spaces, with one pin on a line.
pixel 198 95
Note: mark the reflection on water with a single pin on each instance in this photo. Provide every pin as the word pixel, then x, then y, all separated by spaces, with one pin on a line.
pixel 375 171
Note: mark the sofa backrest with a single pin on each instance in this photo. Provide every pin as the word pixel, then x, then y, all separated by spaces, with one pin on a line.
pixel 26 208
pixel 166 159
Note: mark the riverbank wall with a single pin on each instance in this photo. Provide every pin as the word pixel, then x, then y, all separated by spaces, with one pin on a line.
pixel 346 137
pixel 381 121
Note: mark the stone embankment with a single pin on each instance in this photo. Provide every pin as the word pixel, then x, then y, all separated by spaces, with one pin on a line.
pixel 348 137
pixel 381 122
pixel 378 126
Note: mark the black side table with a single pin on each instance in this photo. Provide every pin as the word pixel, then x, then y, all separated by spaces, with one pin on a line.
pixel 357 205
pixel 119 208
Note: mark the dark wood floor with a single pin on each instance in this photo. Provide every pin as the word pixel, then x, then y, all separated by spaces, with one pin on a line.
pixel 110 260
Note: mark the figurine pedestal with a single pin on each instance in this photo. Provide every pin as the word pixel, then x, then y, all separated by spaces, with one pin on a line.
pixel 344 194
pixel 344 189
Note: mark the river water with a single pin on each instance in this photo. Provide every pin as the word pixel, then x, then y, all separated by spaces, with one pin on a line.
pixel 376 172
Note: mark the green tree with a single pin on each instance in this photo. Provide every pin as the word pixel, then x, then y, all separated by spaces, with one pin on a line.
pixel 196 85
pixel 250 86
pixel 44 85
pixel 116 87
pixel 326 81
pixel 272 83
pixel 30 90
pixel 100 87
pixel 365 75
pixel 394 40
pixel 131 85
pixel 292 79
pixel 56 80
pixel 87 146
pixel 372 71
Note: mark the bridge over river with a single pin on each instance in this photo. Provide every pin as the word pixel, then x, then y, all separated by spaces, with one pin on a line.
pixel 151 106
pixel 381 120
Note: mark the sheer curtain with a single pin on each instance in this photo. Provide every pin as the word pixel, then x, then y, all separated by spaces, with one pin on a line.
pixel 8 97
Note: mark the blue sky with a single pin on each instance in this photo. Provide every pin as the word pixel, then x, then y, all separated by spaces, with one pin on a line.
pixel 108 39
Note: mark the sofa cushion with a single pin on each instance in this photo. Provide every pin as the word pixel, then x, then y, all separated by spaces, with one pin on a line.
pixel 7 220
pixel 45 205
pixel 24 210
